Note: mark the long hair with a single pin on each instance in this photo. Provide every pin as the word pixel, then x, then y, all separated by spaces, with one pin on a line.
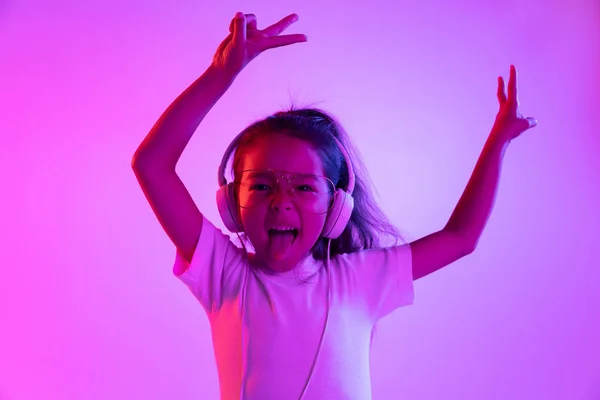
pixel 368 227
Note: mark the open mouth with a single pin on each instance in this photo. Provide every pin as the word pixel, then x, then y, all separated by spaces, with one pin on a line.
pixel 281 242
pixel 276 233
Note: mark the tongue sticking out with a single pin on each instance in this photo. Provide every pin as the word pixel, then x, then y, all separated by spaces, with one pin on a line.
pixel 280 243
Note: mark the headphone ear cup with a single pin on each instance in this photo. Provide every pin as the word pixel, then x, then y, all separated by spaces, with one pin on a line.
pixel 339 215
pixel 228 208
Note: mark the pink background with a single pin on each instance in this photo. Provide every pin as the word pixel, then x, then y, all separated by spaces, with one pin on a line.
pixel 89 308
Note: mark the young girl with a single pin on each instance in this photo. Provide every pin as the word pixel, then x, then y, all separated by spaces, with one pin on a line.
pixel 293 318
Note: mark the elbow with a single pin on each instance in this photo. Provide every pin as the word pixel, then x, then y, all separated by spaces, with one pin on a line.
pixel 137 160
pixel 467 243
pixel 469 246
pixel 464 241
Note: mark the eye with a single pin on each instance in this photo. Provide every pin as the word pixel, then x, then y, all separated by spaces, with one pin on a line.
pixel 260 187
pixel 304 188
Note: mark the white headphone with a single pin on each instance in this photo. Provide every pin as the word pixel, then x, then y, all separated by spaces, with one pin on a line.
pixel 337 217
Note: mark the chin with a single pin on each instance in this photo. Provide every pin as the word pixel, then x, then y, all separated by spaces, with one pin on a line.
pixel 289 262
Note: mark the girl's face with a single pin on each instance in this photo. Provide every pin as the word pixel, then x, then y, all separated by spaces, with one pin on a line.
pixel 287 156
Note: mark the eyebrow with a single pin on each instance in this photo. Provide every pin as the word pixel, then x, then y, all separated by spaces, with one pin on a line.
pixel 259 174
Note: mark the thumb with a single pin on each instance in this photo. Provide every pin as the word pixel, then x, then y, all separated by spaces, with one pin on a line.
pixel 239 28
pixel 532 122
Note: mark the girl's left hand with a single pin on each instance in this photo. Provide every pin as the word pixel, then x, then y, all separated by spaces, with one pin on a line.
pixel 509 122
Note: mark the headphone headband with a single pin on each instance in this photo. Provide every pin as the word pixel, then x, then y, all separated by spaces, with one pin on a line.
pixel 351 178
pixel 221 171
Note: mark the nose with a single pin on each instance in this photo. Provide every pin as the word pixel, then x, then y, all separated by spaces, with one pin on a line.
pixel 282 198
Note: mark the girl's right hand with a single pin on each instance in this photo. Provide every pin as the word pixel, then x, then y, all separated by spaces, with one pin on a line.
pixel 245 41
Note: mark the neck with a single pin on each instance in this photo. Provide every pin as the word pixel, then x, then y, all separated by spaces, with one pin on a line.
pixel 274 266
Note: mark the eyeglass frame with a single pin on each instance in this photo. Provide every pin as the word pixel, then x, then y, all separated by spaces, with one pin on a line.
pixel 289 176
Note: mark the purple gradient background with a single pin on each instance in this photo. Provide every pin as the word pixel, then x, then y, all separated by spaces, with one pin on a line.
pixel 89 308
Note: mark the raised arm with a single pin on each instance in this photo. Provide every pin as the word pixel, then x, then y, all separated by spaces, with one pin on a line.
pixel 462 232
pixel 155 159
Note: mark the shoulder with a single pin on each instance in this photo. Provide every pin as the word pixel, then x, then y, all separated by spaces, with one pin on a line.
pixel 393 255
pixel 380 278
pixel 374 267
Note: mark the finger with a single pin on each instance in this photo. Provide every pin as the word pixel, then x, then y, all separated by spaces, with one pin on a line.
pixel 512 85
pixel 285 40
pixel 501 91
pixel 532 121
pixel 239 28
pixel 280 26
pixel 251 21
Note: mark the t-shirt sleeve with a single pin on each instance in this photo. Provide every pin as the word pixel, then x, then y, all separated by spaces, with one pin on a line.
pixel 384 278
pixel 210 275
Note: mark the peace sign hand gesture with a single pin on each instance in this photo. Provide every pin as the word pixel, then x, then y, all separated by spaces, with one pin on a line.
pixel 245 41
pixel 509 122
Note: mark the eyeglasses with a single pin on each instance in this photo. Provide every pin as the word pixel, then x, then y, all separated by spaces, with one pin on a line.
pixel 314 193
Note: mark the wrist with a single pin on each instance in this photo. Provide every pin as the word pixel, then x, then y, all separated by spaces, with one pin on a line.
pixel 498 137
pixel 222 73
pixel 496 144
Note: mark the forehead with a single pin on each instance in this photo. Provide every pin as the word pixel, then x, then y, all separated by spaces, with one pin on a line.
pixel 283 153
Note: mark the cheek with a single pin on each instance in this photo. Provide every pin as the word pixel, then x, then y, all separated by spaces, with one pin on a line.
pixel 253 221
pixel 313 226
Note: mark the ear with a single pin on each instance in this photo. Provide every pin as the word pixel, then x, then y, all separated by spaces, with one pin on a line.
pixel 228 209
pixel 239 220
pixel 339 215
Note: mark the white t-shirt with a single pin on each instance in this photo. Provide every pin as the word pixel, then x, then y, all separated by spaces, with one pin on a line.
pixel 283 317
